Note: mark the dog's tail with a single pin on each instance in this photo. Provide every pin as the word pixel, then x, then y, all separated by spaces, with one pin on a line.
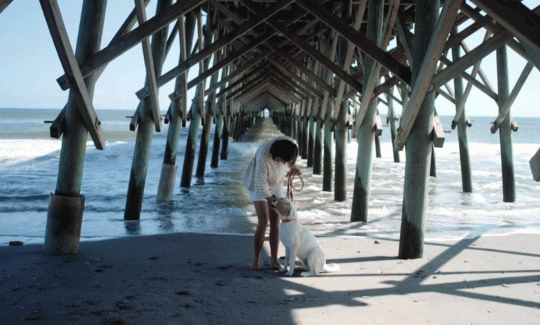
pixel 331 267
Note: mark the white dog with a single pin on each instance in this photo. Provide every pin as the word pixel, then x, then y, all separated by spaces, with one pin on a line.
pixel 299 242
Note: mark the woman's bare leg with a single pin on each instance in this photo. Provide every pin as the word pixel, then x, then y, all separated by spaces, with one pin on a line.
pixel 274 239
pixel 261 208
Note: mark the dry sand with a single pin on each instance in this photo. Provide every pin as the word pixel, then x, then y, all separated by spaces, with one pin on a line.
pixel 205 279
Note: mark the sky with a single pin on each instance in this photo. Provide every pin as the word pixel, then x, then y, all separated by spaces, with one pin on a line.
pixel 30 65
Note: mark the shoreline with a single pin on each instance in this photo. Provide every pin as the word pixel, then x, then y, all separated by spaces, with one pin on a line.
pixel 192 278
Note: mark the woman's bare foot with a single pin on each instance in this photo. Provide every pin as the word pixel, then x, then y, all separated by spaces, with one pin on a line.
pixel 276 265
pixel 256 266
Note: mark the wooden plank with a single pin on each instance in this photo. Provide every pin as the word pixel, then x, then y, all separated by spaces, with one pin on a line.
pixel 505 109
pixel 58 126
pixel 134 37
pixel 359 40
pixel 515 17
pixel 423 82
pixel 150 70
pixel 437 135
pixel 54 20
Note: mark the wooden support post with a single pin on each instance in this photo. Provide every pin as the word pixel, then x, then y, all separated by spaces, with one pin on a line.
pixel 218 134
pixel 196 118
pixel 392 122
pixel 66 206
pixel 226 129
pixel 210 113
pixel 463 137
pixel 433 163
pixel 366 131
pixel 220 125
pixel 378 131
pixel 178 116
pixel 328 154
pixel 419 143
pixel 505 130
pixel 147 123
pixel 150 68
pixel 310 140
pixel 427 68
pixel 340 132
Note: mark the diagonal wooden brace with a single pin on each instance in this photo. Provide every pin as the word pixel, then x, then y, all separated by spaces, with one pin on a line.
pixel 423 82
pixel 63 47
pixel 150 70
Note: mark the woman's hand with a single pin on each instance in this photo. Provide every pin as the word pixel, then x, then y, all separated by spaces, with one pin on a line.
pixel 283 207
pixel 293 170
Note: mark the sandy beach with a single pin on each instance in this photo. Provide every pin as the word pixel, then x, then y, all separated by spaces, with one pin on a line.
pixel 205 279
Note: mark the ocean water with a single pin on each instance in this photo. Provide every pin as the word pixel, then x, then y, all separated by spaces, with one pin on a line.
pixel 217 202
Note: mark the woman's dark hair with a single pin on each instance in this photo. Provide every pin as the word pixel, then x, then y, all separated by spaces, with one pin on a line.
pixel 284 149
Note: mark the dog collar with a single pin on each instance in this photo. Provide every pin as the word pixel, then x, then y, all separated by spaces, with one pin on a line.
pixel 288 220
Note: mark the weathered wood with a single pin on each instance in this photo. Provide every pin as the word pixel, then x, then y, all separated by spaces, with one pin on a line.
pixel 391 120
pixel 348 58
pixel 419 144
pixel 505 107
pixel 67 58
pixel 373 78
pixel 317 55
pixel 129 40
pixel 359 40
pixel 481 51
pixel 515 17
pixel 366 131
pixel 66 205
pixel 178 116
pixel 210 115
pixel 58 126
pixel 150 71
pixel 505 129
pixel 460 119
pixel 304 70
pixel 196 118
pixel 146 126
pixel 426 72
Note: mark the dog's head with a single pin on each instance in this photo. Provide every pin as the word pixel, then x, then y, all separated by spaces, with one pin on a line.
pixel 284 208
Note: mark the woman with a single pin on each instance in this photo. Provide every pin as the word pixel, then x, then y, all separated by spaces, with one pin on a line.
pixel 263 178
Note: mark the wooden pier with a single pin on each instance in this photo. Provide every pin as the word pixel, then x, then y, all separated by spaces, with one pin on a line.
pixel 320 67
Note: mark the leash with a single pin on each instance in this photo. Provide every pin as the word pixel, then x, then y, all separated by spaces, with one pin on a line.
pixel 290 184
